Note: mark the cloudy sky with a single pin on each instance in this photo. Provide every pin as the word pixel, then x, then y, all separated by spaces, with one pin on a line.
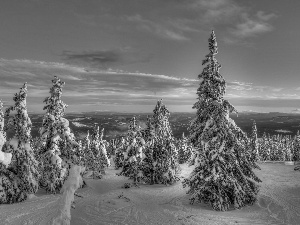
pixel 117 55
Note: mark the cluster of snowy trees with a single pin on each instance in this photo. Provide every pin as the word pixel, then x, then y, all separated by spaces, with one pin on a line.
pixel 279 147
pixel 149 155
pixel 223 156
pixel 28 164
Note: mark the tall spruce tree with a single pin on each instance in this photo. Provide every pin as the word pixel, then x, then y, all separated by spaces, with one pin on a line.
pixel 59 148
pixel 10 191
pixel 223 173
pixel 23 164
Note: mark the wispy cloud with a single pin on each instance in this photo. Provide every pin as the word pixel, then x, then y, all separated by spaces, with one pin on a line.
pixel 181 21
pixel 160 28
pixel 242 22
pixel 254 26
pixel 106 58
pixel 91 88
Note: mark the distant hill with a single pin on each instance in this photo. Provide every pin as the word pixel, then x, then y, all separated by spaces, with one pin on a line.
pixel 116 124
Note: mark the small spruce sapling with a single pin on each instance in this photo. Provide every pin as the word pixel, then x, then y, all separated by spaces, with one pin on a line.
pixel 254 142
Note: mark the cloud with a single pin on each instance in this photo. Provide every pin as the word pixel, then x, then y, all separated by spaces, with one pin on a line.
pixel 161 29
pixel 253 26
pixel 89 89
pixel 92 87
pixel 106 58
pixel 249 26
pixel 217 11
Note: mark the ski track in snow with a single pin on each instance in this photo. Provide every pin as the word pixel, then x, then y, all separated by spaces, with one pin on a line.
pixel 105 202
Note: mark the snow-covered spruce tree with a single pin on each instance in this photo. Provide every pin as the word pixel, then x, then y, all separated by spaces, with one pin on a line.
pixel 185 150
pixel 98 148
pixel 58 143
pixel 120 150
pixel 223 173
pixel 23 165
pixel 148 133
pixel 134 153
pixel 287 148
pixel 86 148
pixel 90 159
pixel 254 142
pixel 9 189
pixel 160 165
pixel 296 147
pixel 103 145
pixel 263 148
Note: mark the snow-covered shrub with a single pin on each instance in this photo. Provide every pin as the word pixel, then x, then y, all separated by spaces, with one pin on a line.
pixel 223 173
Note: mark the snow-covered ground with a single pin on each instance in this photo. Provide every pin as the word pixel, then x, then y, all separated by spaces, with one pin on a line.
pixel 77 124
pixel 105 202
pixel 283 131
pixel 78 119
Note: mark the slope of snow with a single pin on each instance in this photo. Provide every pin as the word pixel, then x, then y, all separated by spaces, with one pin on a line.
pixel 106 202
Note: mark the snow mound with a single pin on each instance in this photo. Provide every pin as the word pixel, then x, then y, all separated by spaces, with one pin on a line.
pixel 73 182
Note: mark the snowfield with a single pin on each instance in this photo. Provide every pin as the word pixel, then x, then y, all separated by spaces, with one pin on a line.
pixel 106 202
pixel 283 131
pixel 77 124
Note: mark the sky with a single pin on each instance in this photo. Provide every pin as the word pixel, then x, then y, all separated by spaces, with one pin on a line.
pixel 122 56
